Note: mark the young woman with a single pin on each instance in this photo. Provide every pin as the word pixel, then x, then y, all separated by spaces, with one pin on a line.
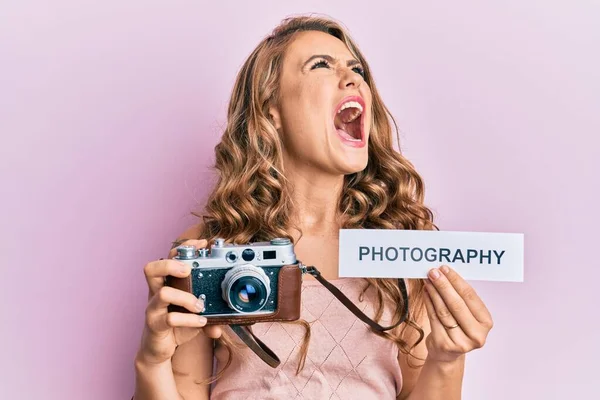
pixel 308 149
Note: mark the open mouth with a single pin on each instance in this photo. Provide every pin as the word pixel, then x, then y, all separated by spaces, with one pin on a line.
pixel 348 120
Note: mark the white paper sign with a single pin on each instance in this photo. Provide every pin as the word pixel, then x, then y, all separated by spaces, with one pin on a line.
pixel 385 253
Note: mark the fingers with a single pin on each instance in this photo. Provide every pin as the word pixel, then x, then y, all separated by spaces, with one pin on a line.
pixel 442 312
pixel 189 242
pixel 450 307
pixel 459 339
pixel 436 326
pixel 165 322
pixel 168 295
pixel 469 296
pixel 175 319
pixel 159 319
pixel 156 272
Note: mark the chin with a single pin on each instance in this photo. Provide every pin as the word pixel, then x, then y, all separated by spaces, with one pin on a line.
pixel 355 166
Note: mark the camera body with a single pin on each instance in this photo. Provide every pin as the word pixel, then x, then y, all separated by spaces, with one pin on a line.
pixel 242 284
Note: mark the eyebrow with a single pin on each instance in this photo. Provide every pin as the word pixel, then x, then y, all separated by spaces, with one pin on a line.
pixel 349 63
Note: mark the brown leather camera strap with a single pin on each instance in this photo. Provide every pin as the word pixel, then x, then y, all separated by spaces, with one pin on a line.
pixel 256 345
pixel 355 310
pixel 269 357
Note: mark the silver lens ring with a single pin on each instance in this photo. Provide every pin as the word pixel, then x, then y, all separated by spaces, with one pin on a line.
pixel 253 273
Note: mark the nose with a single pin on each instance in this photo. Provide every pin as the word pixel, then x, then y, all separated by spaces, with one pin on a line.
pixel 350 79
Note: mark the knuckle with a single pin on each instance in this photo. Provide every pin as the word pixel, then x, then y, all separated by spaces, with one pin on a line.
pixel 151 323
pixel 158 353
pixel 455 305
pixel 442 283
pixel 147 269
pixel 171 320
pixel 469 294
pixel 163 293
pixel 479 342
pixel 464 348
pixel 446 347
pixel 185 242
pixel 444 312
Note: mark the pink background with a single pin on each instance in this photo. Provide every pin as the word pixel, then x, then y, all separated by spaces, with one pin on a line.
pixel 109 112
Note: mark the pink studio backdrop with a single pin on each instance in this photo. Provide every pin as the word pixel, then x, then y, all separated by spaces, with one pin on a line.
pixel 109 112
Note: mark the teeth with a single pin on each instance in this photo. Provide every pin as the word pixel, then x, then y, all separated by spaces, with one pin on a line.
pixel 349 104
pixel 351 116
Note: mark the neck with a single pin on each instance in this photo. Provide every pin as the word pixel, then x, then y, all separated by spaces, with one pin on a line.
pixel 315 196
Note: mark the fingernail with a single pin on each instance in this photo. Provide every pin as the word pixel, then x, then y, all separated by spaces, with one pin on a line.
pixel 434 274
pixel 199 306
pixel 445 269
pixel 202 320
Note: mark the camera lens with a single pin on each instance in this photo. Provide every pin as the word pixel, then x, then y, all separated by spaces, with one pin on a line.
pixel 247 294
pixel 248 255
pixel 246 288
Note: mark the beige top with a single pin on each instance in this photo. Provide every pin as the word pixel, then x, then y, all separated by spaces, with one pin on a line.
pixel 345 359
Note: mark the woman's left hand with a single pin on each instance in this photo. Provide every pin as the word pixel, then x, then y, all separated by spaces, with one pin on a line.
pixel 460 321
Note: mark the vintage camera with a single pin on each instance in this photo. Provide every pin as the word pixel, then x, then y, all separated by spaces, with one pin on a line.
pixel 243 284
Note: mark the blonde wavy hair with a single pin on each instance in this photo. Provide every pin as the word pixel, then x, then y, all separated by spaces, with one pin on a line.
pixel 251 200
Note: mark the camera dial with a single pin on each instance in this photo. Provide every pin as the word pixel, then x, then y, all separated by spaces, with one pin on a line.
pixel 280 241
pixel 186 252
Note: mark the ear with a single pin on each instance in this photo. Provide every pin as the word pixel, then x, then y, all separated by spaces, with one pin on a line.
pixel 275 117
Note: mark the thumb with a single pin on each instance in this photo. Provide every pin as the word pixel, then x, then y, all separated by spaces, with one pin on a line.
pixel 198 243
pixel 213 331
pixel 184 335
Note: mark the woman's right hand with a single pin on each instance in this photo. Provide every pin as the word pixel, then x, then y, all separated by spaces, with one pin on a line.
pixel 164 330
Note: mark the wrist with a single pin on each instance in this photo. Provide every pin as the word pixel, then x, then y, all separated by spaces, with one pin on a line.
pixel 439 379
pixel 447 366
pixel 154 381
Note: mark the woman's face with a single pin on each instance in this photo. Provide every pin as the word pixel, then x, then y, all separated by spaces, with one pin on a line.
pixel 324 109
